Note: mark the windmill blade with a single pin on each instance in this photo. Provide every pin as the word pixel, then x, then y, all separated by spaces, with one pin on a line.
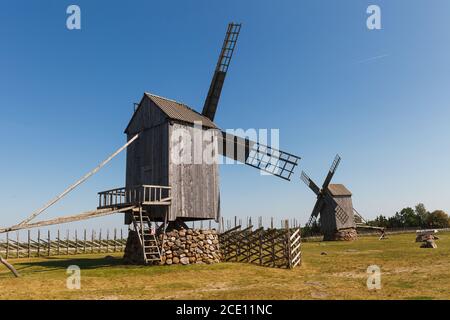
pixel 307 180
pixel 315 212
pixel 257 155
pixel 333 169
pixel 340 213
pixel 215 89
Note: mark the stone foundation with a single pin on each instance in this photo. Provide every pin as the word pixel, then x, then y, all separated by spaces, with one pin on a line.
pixel 349 234
pixel 428 241
pixel 183 246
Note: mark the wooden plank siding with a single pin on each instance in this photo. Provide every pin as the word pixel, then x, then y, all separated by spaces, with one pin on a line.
pixel 328 220
pixel 195 187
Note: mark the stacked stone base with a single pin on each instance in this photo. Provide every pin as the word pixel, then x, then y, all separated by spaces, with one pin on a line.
pixel 349 234
pixel 428 241
pixel 183 246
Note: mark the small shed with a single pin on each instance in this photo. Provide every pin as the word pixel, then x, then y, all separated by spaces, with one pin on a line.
pixel 168 129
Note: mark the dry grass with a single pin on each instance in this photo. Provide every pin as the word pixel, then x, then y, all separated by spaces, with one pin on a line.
pixel 408 272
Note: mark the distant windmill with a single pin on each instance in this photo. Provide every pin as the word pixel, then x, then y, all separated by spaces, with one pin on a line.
pixel 334 205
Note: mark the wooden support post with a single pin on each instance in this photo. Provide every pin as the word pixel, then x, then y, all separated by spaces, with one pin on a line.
pixel 76 241
pixel 67 241
pixel 235 221
pixel 121 238
pixel 92 241
pixel 107 240
pixel 223 226
pixel 7 245
pixel 85 241
pixel 58 245
pixel 17 245
pixel 209 226
pixel 49 244
pixel 39 243
pixel 260 248
pixel 115 239
pixel 29 244
pixel 271 222
pixel 273 251
pixel 288 246
pixel 100 241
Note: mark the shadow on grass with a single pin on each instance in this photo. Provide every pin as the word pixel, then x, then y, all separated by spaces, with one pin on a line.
pixel 54 263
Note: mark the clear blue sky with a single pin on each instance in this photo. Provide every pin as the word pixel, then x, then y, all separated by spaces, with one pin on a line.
pixel 305 67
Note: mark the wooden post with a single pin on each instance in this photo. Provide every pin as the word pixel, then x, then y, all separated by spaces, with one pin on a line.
pixel 273 251
pixel 115 239
pixel 288 246
pixel 271 222
pixel 235 221
pixel 100 241
pixel 209 226
pixel 17 244
pixel 92 241
pixel 7 245
pixel 67 241
pixel 121 239
pixel 260 248
pixel 85 240
pixel 29 244
pixel 223 226
pixel 39 243
pixel 107 240
pixel 49 243
pixel 58 245
pixel 76 241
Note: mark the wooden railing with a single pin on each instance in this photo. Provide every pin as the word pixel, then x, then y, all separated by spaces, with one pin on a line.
pixel 140 195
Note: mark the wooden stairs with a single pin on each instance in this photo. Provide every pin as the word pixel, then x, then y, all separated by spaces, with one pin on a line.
pixel 146 231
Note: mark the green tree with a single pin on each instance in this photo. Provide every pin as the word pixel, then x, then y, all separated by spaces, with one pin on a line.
pixel 422 214
pixel 409 218
pixel 438 219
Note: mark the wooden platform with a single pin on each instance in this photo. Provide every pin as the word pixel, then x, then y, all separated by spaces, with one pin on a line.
pixel 144 195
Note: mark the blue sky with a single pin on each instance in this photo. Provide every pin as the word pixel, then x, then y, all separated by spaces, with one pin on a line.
pixel 305 67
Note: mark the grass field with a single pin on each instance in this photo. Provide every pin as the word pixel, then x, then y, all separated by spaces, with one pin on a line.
pixel 408 272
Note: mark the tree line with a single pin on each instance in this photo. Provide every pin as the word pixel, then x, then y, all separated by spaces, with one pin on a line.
pixel 417 217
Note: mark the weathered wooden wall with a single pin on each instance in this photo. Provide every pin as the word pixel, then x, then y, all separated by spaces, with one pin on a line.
pixel 328 220
pixel 195 187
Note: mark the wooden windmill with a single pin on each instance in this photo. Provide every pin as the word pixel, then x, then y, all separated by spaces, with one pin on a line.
pixel 159 189
pixel 334 205
pixel 163 190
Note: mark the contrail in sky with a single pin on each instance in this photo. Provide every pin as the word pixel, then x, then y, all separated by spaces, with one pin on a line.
pixel 372 59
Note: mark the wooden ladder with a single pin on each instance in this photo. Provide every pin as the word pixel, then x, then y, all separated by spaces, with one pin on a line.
pixel 147 236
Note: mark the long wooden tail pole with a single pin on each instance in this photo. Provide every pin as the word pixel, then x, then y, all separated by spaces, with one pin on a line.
pixel 76 184
pixel 67 219
pixel 9 266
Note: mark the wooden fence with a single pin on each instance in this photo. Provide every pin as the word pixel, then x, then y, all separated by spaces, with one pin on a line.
pixel 44 245
pixel 266 247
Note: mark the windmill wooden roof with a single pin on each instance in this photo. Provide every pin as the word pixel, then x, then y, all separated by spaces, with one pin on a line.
pixel 177 111
pixel 337 190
